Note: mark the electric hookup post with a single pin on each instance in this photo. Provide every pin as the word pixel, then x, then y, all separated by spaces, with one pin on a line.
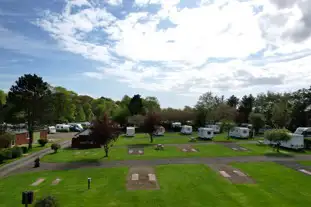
pixel 27 198
pixel 89 183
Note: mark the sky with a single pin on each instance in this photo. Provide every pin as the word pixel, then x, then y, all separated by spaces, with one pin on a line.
pixel 175 50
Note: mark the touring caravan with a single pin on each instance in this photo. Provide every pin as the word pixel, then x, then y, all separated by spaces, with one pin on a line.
pixel 130 131
pixel 160 131
pixel 206 133
pixel 176 124
pixel 185 129
pixel 62 128
pixel 216 128
pixel 296 142
pixel 239 132
pixel 51 130
pixel 305 131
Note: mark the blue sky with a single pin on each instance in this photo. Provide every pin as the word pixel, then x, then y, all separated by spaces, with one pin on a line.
pixel 173 49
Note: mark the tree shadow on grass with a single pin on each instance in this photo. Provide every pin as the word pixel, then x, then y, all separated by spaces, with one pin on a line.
pixel 140 145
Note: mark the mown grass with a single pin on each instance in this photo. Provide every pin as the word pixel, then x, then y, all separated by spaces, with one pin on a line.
pixel 180 185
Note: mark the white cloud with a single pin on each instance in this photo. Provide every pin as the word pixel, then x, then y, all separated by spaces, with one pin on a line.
pixel 114 2
pixel 186 59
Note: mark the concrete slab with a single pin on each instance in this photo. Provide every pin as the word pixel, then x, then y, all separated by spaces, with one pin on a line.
pixel 38 182
pixel 135 176
pixel 239 173
pixel 131 151
pixel 235 149
pixel 56 181
pixel 225 174
pixel 305 171
pixel 184 150
pixel 152 177
pixel 193 150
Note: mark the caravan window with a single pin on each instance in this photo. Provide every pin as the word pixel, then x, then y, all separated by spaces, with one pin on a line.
pixel 244 131
pixel 208 132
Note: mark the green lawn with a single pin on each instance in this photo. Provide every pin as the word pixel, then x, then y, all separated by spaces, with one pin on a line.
pixel 170 138
pixel 180 185
pixel 307 163
pixel 212 150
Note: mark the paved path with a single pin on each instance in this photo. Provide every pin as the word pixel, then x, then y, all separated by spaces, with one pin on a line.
pixel 127 163
pixel 28 160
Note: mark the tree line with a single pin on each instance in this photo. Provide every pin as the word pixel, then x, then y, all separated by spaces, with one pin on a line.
pixel 33 101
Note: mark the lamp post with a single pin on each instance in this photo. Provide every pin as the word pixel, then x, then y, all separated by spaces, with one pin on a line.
pixel 89 183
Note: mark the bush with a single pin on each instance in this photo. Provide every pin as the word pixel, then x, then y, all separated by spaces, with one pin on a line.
pixel 5 155
pixel 276 136
pixel 42 142
pixel 55 147
pixel 6 139
pixel 48 201
pixel 16 152
pixel 24 149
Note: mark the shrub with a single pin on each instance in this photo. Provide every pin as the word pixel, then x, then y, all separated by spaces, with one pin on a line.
pixel 16 152
pixel 24 149
pixel 42 142
pixel 55 147
pixel 48 201
pixel 5 155
pixel 276 136
pixel 6 139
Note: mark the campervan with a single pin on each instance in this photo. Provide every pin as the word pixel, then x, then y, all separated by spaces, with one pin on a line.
pixel 250 126
pixel 186 129
pixel 216 128
pixel 160 131
pixel 130 131
pixel 62 128
pixel 75 127
pixel 305 131
pixel 206 133
pixel 51 130
pixel 296 142
pixel 239 132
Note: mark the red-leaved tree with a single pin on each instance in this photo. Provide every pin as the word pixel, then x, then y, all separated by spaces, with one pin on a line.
pixel 151 124
pixel 105 132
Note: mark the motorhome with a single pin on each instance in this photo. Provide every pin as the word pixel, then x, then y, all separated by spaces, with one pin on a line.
pixel 130 131
pixel 160 131
pixel 206 133
pixel 62 128
pixel 74 127
pixel 305 131
pixel 216 128
pixel 185 129
pixel 51 130
pixel 250 126
pixel 239 132
pixel 296 142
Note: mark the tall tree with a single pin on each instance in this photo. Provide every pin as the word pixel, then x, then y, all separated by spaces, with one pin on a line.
pixel 224 112
pixel 136 105
pixel 88 111
pixel 151 124
pixel 257 120
pixel 104 132
pixel 29 95
pixel 79 114
pixel 246 107
pixel 206 103
pixel 233 101
pixel 121 115
pixel 281 114
pixel 2 97
pixel 151 104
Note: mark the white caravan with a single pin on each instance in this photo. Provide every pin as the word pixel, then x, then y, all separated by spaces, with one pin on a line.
pixel 216 128
pixel 176 124
pixel 51 130
pixel 206 133
pixel 62 128
pixel 239 132
pixel 296 142
pixel 160 131
pixel 130 131
pixel 305 131
pixel 186 129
